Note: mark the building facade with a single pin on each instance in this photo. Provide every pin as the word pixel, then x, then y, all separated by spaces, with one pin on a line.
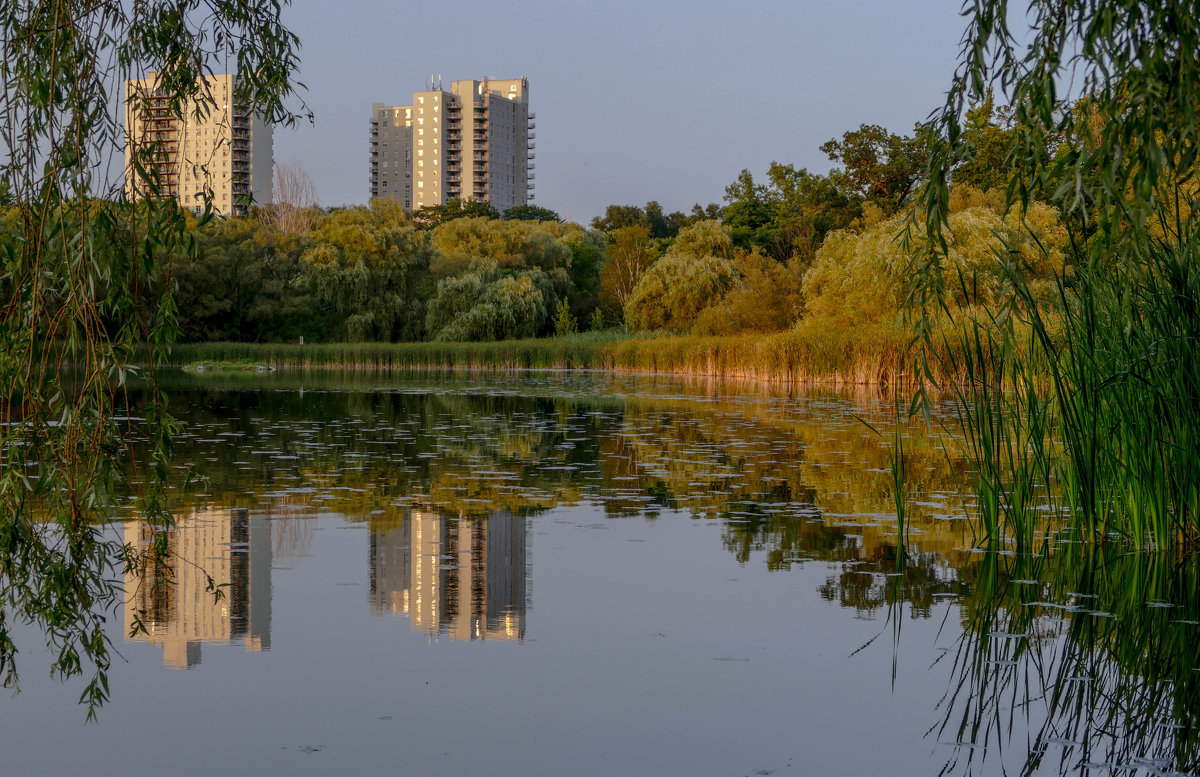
pixel 223 149
pixel 475 141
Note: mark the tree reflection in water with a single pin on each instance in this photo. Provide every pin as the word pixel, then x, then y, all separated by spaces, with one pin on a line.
pixel 1079 658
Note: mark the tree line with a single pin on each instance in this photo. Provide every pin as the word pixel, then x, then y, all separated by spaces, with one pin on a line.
pixel 791 247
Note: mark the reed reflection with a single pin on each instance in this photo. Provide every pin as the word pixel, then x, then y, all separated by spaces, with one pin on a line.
pixel 464 578
pixel 174 605
pixel 1089 659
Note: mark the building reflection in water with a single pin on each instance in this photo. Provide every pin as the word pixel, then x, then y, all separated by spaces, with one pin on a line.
pixel 465 578
pixel 234 548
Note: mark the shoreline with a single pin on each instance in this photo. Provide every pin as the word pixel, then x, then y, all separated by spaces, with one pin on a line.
pixel 786 358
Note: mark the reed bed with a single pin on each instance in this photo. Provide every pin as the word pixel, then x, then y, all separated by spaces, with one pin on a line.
pixel 580 351
pixel 860 356
pixel 869 356
pixel 1087 414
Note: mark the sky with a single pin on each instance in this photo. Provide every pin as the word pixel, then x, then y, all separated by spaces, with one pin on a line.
pixel 635 101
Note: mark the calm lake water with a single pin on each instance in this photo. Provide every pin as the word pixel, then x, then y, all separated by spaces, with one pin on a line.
pixel 581 574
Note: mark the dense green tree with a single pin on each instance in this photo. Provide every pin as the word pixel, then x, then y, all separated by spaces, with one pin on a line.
pixel 660 225
pixel 989 139
pixel 455 208
pixel 530 213
pixel 588 252
pixel 788 216
pixel 247 283
pixel 748 209
pixel 879 166
pixel 369 271
pixel 489 304
pixel 807 208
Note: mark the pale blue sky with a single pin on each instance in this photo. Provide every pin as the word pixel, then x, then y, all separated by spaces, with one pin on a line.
pixel 655 100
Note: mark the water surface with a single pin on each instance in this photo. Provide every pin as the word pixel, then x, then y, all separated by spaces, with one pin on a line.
pixel 595 575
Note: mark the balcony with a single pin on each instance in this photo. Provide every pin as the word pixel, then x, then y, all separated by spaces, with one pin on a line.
pixel 532 135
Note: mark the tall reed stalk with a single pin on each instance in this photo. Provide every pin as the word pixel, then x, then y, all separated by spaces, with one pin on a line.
pixel 1083 411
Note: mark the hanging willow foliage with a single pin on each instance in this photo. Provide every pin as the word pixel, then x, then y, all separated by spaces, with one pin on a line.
pixel 1094 387
pixel 86 288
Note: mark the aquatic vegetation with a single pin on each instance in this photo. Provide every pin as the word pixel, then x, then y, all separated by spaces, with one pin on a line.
pixel 1079 395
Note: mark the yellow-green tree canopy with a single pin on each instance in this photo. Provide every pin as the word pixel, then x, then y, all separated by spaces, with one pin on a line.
pixel 860 277
pixel 693 275
pixel 766 296
pixel 512 245
pixel 368 263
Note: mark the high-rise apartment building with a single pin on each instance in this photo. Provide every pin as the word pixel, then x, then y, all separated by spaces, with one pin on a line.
pixel 475 142
pixel 223 148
